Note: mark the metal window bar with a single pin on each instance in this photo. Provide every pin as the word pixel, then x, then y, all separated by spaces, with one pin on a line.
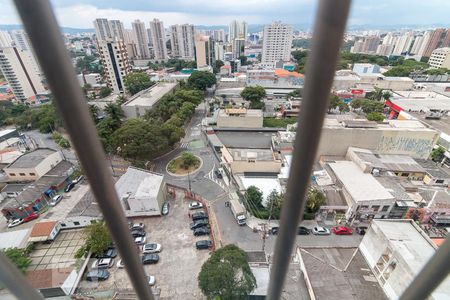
pixel 42 28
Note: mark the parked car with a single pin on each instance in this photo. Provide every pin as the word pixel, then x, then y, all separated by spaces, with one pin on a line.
pixel 342 230
pixel 203 244
pixel 150 259
pixel 218 174
pixel 165 208
pixel 120 264
pixel 138 232
pixel 361 230
pixel 201 231
pixel 15 223
pixel 55 200
pixel 137 226
pixel 103 263
pixel 199 216
pixel 32 216
pixel 151 248
pixel 69 187
pixel 97 275
pixel 140 240
pixel 199 223
pixel 319 230
pixel 151 280
pixel 195 205
pixel 303 230
pixel 274 230
pixel 111 252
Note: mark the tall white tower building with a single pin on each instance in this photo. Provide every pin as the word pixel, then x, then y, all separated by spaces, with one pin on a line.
pixel 158 39
pixel 21 72
pixel 277 43
pixel 115 62
pixel 5 39
pixel 117 29
pixel 141 39
pixel 182 41
pixel 102 30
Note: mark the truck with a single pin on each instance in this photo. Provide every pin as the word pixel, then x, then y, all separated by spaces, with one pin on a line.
pixel 238 211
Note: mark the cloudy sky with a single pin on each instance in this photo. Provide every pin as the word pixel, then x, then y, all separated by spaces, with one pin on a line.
pixel 80 13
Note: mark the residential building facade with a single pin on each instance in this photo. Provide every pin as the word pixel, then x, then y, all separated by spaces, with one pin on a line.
pixel 158 39
pixel 182 41
pixel 276 44
pixel 440 58
pixel 204 51
pixel 114 57
pixel 141 39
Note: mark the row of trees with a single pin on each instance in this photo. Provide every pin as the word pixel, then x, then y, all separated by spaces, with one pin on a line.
pixel 274 202
pixel 254 94
pixel 177 64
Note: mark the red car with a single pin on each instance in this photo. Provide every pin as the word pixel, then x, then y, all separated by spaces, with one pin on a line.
pixel 32 216
pixel 341 230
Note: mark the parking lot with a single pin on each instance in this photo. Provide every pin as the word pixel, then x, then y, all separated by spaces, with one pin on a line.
pixel 179 262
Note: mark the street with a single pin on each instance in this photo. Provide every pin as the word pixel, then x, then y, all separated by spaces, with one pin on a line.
pixel 44 140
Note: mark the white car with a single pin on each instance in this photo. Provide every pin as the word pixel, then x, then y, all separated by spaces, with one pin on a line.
pixel 140 240
pixel 134 226
pixel 120 264
pixel 151 280
pixel 195 205
pixel 151 248
pixel 103 263
pixel 15 223
pixel 55 200
pixel 319 230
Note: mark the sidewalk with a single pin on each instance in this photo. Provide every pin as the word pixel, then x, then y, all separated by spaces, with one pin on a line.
pixel 254 222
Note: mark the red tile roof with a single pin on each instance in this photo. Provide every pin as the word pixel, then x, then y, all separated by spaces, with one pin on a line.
pixel 42 229
pixel 48 278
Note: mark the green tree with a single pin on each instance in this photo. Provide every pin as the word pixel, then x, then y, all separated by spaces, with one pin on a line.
pixel 97 239
pixel 94 110
pixel 253 93
pixel 369 106
pixel 274 204
pixel 336 102
pixel 377 94
pixel 387 95
pixel 201 80
pixel 173 132
pixel 296 93
pixel 105 129
pixel 375 116
pixel 139 139
pixel 115 112
pixel 86 88
pixel 189 160
pixel 217 65
pixel 254 196
pixel 243 60
pixel 314 200
pixel 105 91
pixel 137 81
pixel 227 275
pixel 19 257
pixel 440 71
pixel 437 154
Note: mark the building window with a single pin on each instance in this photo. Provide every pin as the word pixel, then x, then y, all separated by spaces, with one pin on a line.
pixel 63 225
pixel 22 174
pixel 385 208
pixel 32 174
pixel 12 174
pixel 375 207
pixel 440 181
pixel 76 223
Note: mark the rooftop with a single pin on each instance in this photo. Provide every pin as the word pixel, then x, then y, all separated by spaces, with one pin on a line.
pixel 14 239
pixel 240 111
pixel 361 186
pixel 32 159
pixel 420 101
pixel 151 95
pixel 236 139
pixel 42 229
pixel 256 154
pixel 48 278
pixel 340 273
pixel 434 169
pixel 265 184
pixel 87 207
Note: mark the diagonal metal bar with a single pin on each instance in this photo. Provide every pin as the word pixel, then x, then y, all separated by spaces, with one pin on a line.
pixel 328 33
pixel 40 24
pixel 15 281
pixel 431 275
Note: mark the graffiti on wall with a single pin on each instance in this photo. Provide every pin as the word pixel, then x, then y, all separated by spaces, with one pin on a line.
pixel 415 146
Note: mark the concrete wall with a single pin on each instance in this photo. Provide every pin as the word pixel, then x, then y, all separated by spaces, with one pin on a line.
pixel 135 111
pixel 415 143
pixel 76 222
pixel 257 166
pixel 244 121
pixel 48 163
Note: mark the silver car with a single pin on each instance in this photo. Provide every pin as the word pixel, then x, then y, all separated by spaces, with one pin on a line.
pixel 319 230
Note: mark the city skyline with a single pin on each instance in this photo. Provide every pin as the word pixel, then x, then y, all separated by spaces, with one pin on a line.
pixel 79 14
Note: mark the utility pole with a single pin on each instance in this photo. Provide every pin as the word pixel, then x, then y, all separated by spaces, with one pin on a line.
pixel 263 236
pixel 189 181
pixel 110 163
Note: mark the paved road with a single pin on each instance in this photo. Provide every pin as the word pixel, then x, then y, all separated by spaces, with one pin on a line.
pixel 45 140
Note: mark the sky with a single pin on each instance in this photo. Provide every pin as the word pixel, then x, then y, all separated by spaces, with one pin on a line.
pixel 81 13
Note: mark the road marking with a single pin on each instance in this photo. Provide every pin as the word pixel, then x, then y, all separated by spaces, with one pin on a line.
pixel 211 177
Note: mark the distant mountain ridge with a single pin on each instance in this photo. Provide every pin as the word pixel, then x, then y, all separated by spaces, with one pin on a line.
pixel 68 30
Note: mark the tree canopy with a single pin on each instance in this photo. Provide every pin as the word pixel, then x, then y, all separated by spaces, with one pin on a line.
pixel 336 102
pixel 137 81
pixel 201 80
pixel 97 239
pixel 367 105
pixel 375 116
pixel 254 195
pixel 314 200
pixel 253 93
pixel 227 275
pixel 274 204
pixel 437 154
pixel 105 92
pixel 19 257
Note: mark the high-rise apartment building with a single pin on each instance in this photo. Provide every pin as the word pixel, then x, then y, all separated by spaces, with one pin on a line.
pixel 243 30
pixel 102 30
pixel 370 44
pixel 403 44
pixel 277 43
pixel 5 39
pixel 435 41
pixel 158 39
pixel 238 47
pixel 219 51
pixel 385 50
pixel 182 41
pixel 204 51
pixel 440 58
pixel 117 29
pixel 21 71
pixel 420 43
pixel 237 30
pixel 115 62
pixel 219 35
pixel 21 39
pixel 141 39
